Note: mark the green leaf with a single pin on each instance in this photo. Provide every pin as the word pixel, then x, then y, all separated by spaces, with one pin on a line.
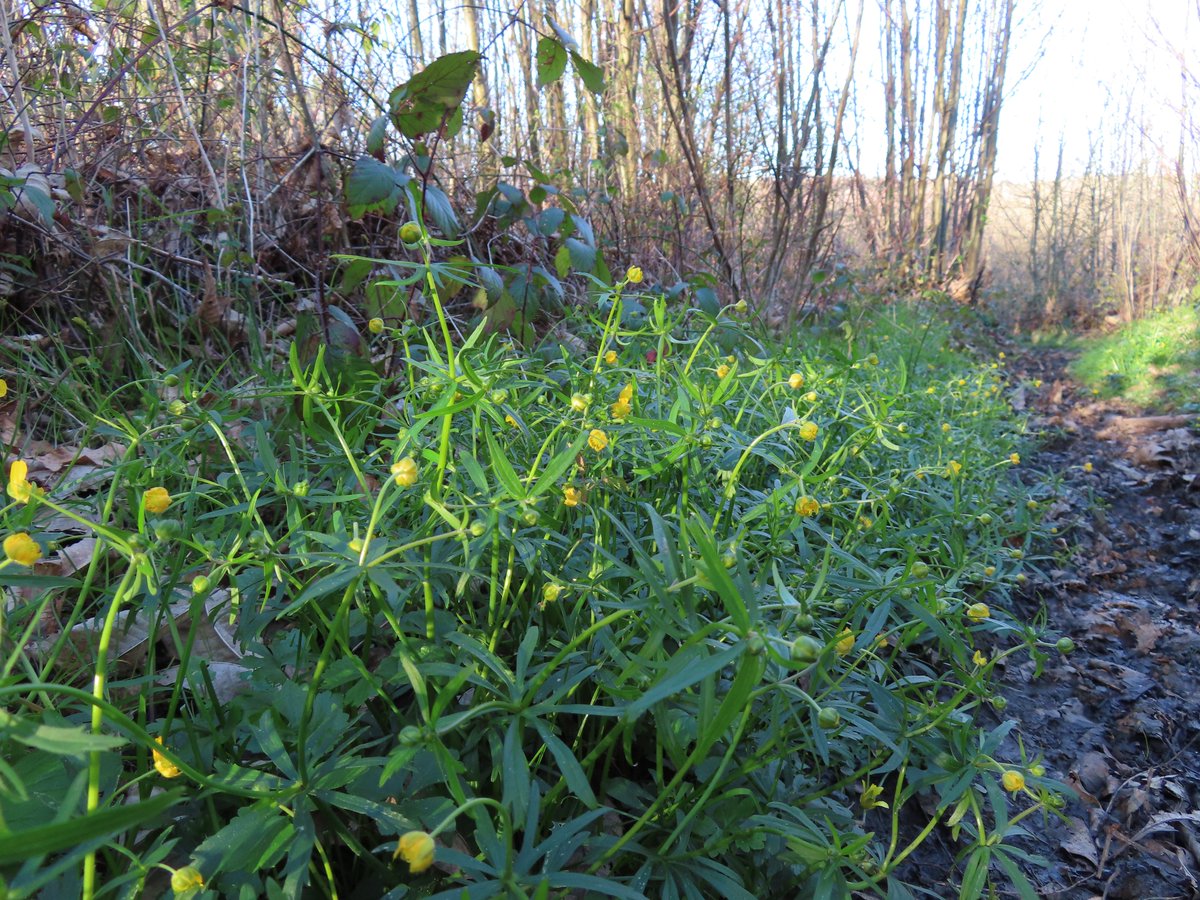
pixel 504 470
pixel 22 845
pixel 437 204
pixel 64 741
pixel 583 257
pixel 422 103
pixel 551 61
pixel 376 136
pixel 688 667
pixel 255 839
pixel 590 74
pixel 562 261
pixel 373 186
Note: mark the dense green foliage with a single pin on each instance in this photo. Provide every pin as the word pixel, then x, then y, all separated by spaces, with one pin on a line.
pixel 1152 362
pixel 686 614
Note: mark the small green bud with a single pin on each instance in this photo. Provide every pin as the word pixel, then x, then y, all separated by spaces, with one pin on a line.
pixel 806 649
pixel 920 570
pixel 171 380
pixel 530 517
pixel 985 519
pixel 177 407
pixel 200 584
pixel 300 488
pixel 829 718
pixel 550 592
pixel 168 529
pixel 1065 645
pixel 756 645
pixel 478 529
pixel 410 232
pixel 999 704
pixel 411 736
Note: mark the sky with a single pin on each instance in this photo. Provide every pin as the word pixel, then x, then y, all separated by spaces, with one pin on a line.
pixel 1081 60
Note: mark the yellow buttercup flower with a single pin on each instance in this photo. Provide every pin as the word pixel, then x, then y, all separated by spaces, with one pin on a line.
pixel 809 431
pixel 157 500
pixel 846 643
pixel 405 472
pixel 611 357
pixel 722 370
pixel 1013 781
pixel 979 659
pixel 578 402
pixel 509 420
pixel 1087 467
pixel 550 592
pixel 945 427
pixel 811 396
pixel 186 879
pixel 19 487
pixel 3 388
pixel 165 767
pixel 375 326
pixel 977 612
pixel 571 496
pixel 870 797
pixel 953 467
pixel 416 848
pixel 795 381
pixel 22 549
pixel 1015 459
pixel 634 275
pixel 621 410
pixel 597 439
pixel 807 506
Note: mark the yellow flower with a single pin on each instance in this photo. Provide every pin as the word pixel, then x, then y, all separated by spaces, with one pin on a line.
pixel 1002 354
pixel 795 381
pixel 1087 467
pixel 157 500
pixel 3 388
pixel 1013 781
pixel 931 390
pixel 611 357
pixel 870 797
pixel 165 767
pixel 375 326
pixel 945 427
pixel 509 420
pixel 626 393
pixel 22 549
pixel 809 431
pixel 19 487
pixel 977 612
pixel 597 439
pixel 811 396
pixel 846 643
pixel 634 275
pixel 186 879
pixel 722 370
pixel 1015 459
pixel 989 571
pixel 405 472
pixel 979 659
pixel 416 848
pixel 807 506
pixel 953 467
pixel 550 592
pixel 578 402
pixel 621 409
pixel 571 496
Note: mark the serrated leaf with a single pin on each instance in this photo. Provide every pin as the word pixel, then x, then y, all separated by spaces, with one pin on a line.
pixel 373 186
pixel 421 104
pixel 590 74
pixel 376 136
pixel 583 257
pixel 551 61
pixel 437 204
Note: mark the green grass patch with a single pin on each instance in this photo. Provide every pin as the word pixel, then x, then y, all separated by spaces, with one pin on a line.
pixel 686 614
pixel 1153 362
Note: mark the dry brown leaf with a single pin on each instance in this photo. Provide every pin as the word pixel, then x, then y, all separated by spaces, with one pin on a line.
pixel 1079 842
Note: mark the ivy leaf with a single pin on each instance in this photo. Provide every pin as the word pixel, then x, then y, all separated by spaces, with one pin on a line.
pixel 551 61
pixel 421 104
pixel 590 74
pixel 373 186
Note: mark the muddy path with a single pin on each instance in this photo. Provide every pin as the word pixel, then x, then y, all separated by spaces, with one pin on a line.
pixel 1118 719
